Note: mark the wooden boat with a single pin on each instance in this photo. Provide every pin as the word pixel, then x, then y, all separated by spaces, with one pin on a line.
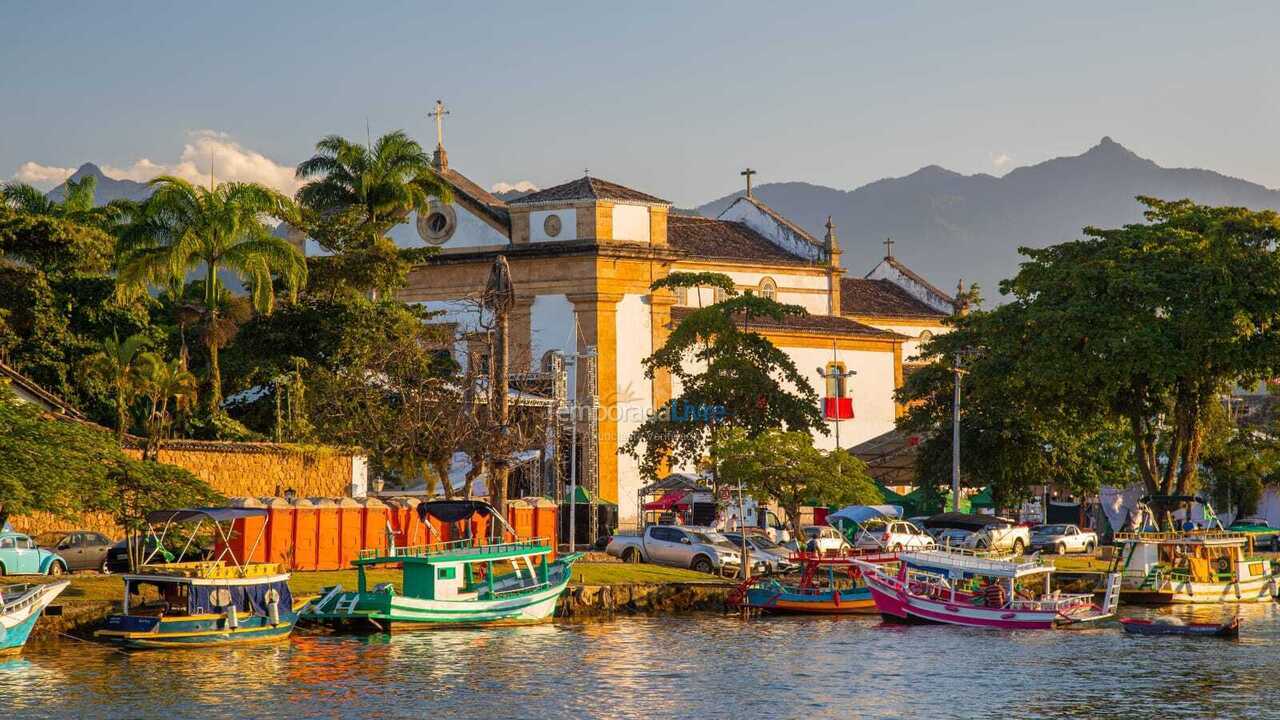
pixel 975 590
pixel 452 584
pixel 826 585
pixel 1137 626
pixel 1199 566
pixel 20 608
pixel 203 603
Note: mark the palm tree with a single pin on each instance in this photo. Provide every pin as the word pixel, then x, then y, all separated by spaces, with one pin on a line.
pixel 77 203
pixel 183 228
pixel 116 365
pixel 382 184
pixel 161 382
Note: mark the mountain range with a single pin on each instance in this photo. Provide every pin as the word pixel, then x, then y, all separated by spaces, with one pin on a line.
pixel 948 226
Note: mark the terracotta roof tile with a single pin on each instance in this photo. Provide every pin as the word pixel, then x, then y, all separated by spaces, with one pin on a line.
pixel 821 324
pixel 859 296
pixel 588 188
pixel 480 198
pixel 700 237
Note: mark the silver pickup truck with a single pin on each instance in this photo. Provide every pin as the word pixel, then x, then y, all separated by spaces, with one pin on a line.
pixel 697 548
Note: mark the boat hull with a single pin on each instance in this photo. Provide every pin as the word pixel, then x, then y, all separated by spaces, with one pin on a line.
pixel 1135 626
pixel 146 633
pixel 1255 590
pixel 856 601
pixel 20 616
pixel 385 610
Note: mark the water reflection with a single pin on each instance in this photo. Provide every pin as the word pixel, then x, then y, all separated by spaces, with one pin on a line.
pixel 702 666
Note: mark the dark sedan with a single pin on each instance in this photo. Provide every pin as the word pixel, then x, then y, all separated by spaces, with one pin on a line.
pixel 82 549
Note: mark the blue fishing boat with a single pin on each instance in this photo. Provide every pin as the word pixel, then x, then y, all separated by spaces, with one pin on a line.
pixel 20 608
pixel 826 585
pixel 219 601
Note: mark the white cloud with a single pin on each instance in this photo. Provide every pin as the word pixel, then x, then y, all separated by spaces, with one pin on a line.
pixel 1001 161
pixel 518 186
pixel 229 159
pixel 42 176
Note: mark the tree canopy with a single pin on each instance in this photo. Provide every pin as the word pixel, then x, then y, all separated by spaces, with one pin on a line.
pixel 786 467
pixel 729 376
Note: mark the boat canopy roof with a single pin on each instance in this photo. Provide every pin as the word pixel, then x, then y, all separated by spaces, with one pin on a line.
pixel 214 514
pixel 957 564
pixel 451 511
pixel 862 513
pixel 1200 537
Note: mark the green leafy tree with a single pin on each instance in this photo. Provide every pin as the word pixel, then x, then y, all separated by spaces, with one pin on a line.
pixel 1148 324
pixel 729 375
pixel 50 465
pixel 138 488
pixel 1009 439
pixel 168 388
pixel 786 467
pixel 117 366
pixel 183 228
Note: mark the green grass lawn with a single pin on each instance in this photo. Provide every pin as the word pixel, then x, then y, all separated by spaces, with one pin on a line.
pixel 99 588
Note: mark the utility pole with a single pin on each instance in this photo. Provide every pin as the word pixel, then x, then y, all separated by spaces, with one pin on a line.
pixel 499 296
pixel 955 442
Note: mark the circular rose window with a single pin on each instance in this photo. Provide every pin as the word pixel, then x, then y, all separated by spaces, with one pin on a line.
pixel 436 225
pixel 551 226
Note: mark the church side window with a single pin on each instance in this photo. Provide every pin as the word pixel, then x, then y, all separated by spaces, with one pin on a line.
pixel 720 295
pixel 836 380
pixel 682 296
pixel 768 289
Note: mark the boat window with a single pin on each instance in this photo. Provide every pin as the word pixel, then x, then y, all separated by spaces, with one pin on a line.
pixel 446 573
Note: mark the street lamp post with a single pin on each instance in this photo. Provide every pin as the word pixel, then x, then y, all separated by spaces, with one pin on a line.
pixel 840 375
pixel 955 442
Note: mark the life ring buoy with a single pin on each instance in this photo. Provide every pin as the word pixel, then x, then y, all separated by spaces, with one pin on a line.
pixel 1224 564
pixel 272 595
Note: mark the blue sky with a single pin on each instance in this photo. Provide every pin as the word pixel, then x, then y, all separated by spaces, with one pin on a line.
pixel 671 98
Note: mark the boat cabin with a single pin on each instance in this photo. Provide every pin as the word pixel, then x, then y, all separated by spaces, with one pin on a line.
pixel 203 588
pixel 1207 556
pixel 959 576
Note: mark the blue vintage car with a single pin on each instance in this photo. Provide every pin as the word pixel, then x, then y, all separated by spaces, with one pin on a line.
pixel 19 555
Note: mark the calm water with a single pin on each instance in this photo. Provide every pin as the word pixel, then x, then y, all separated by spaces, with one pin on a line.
pixel 698 666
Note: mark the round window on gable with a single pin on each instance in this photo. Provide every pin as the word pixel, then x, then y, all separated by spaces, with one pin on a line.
pixel 926 336
pixel 437 225
pixel 551 225
pixel 768 289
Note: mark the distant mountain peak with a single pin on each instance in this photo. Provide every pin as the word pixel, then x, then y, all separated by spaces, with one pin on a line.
pixel 108 188
pixel 951 225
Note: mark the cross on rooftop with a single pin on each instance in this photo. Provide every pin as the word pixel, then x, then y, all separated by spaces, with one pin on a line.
pixel 438 114
pixel 747 174
pixel 888 247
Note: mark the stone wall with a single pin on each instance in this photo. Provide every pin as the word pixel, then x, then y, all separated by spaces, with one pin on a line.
pixel 234 470
pixel 265 469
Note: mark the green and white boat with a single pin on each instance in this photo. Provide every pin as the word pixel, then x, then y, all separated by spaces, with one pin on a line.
pixel 468 582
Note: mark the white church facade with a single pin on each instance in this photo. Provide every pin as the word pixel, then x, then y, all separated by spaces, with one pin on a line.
pixel 583 255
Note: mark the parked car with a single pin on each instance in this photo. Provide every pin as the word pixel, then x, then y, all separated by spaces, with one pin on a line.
pixel 892 535
pixel 773 555
pixel 82 549
pixel 822 538
pixel 1063 538
pixel 19 555
pixel 697 548
pixel 979 532
pixel 118 556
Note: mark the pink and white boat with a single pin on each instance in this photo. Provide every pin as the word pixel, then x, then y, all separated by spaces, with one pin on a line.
pixel 958 588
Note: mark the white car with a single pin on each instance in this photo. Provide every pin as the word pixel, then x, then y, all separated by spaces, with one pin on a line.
pixel 822 538
pixel 893 535
pixel 1063 538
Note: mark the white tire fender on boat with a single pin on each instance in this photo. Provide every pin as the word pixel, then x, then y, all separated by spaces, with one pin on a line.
pixel 273 606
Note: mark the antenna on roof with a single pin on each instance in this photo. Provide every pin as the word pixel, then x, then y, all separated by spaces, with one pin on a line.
pixel 747 174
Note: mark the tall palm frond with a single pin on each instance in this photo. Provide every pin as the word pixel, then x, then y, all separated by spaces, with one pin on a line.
pixel 115 365
pixel 183 228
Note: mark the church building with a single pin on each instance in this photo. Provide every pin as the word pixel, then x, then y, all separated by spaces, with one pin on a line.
pixel 583 255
